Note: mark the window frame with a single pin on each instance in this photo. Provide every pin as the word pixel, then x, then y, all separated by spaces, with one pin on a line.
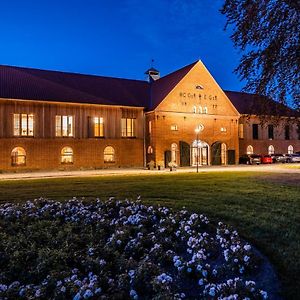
pixel 14 158
pixel 271 132
pixel 99 122
pixel 129 130
pixel 255 135
pixel 112 154
pixel 19 125
pixel 60 120
pixel 62 155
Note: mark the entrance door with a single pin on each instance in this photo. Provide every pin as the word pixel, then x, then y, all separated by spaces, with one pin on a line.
pixel 216 153
pixel 167 158
pixel 184 154
pixel 200 153
pixel 231 157
pixel 204 156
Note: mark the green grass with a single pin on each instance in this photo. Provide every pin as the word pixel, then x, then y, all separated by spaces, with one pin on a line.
pixel 264 209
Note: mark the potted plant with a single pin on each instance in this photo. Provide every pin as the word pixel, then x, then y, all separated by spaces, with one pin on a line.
pixel 172 165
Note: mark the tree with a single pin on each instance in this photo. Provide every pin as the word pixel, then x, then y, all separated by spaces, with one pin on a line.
pixel 268 33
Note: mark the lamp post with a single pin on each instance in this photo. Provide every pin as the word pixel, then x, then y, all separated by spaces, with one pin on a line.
pixel 197 130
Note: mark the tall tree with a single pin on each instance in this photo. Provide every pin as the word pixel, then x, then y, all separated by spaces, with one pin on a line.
pixel 268 33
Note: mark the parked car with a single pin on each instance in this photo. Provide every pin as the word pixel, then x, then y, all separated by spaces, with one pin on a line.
pixel 278 158
pixel 250 159
pixel 292 158
pixel 266 159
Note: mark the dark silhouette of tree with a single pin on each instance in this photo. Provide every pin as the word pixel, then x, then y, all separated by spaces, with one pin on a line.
pixel 268 33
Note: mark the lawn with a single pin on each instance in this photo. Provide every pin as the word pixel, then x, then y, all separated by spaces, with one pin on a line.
pixel 264 208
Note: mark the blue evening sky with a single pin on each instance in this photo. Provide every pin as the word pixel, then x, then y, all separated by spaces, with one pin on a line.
pixel 117 38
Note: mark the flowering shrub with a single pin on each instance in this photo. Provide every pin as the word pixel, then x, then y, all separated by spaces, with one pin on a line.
pixel 120 250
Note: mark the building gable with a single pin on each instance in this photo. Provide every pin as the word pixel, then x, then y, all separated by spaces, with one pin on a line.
pixel 196 92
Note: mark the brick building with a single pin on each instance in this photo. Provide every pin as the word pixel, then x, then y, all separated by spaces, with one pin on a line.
pixel 58 120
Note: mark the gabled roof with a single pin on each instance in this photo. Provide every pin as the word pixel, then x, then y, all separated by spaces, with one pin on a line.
pixel 35 84
pixel 251 104
pixel 43 85
pixel 164 85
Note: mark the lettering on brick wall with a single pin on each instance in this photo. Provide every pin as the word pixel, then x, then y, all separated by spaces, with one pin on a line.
pixel 199 96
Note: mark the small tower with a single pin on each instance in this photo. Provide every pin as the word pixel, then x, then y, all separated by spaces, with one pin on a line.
pixel 152 73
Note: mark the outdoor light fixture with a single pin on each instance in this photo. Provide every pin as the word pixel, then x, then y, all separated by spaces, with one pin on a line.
pixel 198 129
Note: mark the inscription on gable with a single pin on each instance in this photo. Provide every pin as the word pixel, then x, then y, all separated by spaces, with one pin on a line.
pixel 199 96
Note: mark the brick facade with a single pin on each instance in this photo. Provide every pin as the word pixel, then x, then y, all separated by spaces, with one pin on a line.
pixel 164 125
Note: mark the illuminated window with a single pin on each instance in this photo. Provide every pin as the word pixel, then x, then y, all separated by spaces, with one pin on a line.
pixel 194 109
pixel 150 150
pixel 67 155
pixel 249 149
pixel 271 150
pixel 109 154
pixel 200 109
pixel 174 153
pixel 18 157
pixel 98 127
pixel 127 127
pixel 150 126
pixel 205 110
pixel 23 125
pixel 290 149
pixel 174 127
pixel 64 126
pixel 223 129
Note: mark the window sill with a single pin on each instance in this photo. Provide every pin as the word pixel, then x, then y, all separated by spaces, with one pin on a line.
pixel 109 162
pixel 128 137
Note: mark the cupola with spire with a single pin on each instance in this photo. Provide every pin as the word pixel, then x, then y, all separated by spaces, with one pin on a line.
pixel 152 73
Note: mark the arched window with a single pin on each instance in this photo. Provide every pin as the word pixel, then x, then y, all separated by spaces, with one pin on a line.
pixel 18 157
pixel 205 110
pixel 249 149
pixel 109 154
pixel 150 150
pixel 174 153
pixel 271 150
pixel 200 109
pixel 223 154
pixel 290 149
pixel 194 109
pixel 66 155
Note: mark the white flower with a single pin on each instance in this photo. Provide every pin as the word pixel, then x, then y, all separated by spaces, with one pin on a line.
pixel 264 294
pixel 212 291
pixel 3 287
pixel 88 294
pixel 200 282
pixel 246 258
pixel 77 296
pixel 133 294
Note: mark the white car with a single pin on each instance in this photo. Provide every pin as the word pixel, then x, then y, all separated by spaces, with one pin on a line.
pixel 292 158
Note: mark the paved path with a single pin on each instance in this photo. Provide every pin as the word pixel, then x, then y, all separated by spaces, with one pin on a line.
pixel 277 168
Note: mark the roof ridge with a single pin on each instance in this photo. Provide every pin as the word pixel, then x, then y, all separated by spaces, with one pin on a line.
pixel 179 70
pixel 71 73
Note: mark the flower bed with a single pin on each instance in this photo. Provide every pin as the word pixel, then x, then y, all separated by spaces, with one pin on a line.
pixel 120 250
